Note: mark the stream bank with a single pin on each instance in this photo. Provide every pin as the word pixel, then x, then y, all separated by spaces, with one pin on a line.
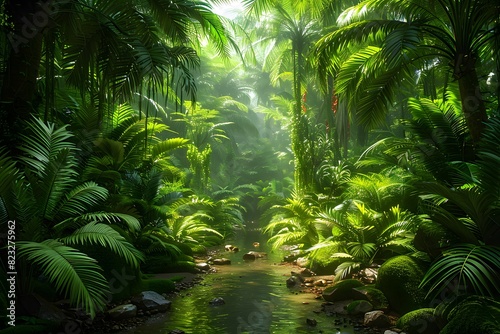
pixel 255 297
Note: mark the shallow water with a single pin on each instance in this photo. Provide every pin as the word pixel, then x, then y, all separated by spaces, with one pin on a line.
pixel 256 299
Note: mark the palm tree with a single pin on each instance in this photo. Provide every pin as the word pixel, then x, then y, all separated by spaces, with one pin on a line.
pixel 412 36
pixel 57 215
pixel 109 50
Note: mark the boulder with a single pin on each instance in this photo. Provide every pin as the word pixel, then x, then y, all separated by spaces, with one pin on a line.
pixel 421 321
pixel 359 307
pixel 399 278
pixel 341 290
pixel 151 301
pixel 376 319
pixel 474 315
pixel 373 295
pixel 221 262
pixel 124 311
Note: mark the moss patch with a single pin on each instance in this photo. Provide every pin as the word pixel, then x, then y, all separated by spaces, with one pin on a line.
pixel 159 264
pixel 474 315
pixel 158 285
pixel 359 307
pixel 398 278
pixel 373 295
pixel 341 290
pixel 419 321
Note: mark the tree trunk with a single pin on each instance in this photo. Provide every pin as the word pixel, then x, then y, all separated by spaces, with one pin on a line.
pixel 18 92
pixel 473 106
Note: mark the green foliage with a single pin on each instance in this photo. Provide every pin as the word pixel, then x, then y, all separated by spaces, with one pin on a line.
pixel 399 278
pixel 55 211
pixel 474 315
pixel 72 272
pixel 360 236
pixel 418 321
pixel 475 268
pixel 386 43
pixel 294 223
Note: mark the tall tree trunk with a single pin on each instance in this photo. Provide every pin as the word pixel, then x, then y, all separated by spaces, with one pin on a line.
pixel 18 98
pixel 473 105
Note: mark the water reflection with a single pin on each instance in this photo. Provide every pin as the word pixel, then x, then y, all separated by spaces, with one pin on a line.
pixel 256 296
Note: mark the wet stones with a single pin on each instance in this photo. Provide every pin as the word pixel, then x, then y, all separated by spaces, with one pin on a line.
pixel 221 262
pixel 376 319
pixel 231 248
pixel 293 281
pixel 124 311
pixel 218 301
pixel 203 266
pixel 151 301
pixel 252 256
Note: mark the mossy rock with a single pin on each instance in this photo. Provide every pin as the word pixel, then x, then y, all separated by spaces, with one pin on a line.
pixel 158 285
pixel 159 264
pixel 359 307
pixel 399 278
pixel 474 315
pixel 421 321
pixel 373 295
pixel 342 290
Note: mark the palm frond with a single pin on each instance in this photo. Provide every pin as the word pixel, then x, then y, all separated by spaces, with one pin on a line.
pixel 8 172
pixel 167 146
pixel 475 267
pixel 105 236
pixel 81 199
pixel 71 272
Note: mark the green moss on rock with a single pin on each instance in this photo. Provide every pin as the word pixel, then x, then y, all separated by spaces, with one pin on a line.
pixel 159 264
pixel 399 278
pixel 373 295
pixel 158 285
pixel 419 321
pixel 474 315
pixel 342 290
pixel 359 307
